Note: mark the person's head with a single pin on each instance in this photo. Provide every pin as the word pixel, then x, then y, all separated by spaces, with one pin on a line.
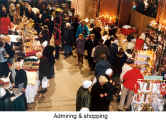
pixel 83 23
pixel 68 25
pixel 103 80
pixel 12 7
pixel 92 36
pixel 4 8
pixel 129 51
pixel 44 5
pixel 121 51
pixel 130 61
pixel 81 36
pixel 87 84
pixel 18 63
pixel 109 72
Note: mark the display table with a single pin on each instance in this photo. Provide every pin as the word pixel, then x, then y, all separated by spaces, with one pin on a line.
pixel 127 31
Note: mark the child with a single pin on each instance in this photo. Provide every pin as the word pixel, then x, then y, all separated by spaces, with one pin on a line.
pixel 80 44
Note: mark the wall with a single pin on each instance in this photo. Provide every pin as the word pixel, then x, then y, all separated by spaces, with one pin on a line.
pixel 161 17
pixel 85 8
pixel 125 11
pixel 140 21
pixel 109 7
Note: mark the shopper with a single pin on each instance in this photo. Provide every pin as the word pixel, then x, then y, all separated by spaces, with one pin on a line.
pixel 101 95
pixel 4 69
pixel 5 22
pixel 130 86
pixel 68 40
pixel 82 29
pixel 57 40
pixel 91 43
pixel 83 98
pixel 46 67
pixel 80 43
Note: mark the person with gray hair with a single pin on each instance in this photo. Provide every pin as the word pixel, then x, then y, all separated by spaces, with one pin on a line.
pixel 101 95
pixel 83 96
pixel 68 37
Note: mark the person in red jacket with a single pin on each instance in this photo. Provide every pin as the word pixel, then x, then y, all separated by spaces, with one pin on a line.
pixel 57 40
pixel 130 86
pixel 139 44
pixel 5 22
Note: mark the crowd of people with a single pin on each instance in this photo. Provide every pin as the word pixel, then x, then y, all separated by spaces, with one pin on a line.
pixel 113 66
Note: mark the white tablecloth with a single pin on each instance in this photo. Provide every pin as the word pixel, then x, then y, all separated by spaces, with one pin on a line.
pixel 32 87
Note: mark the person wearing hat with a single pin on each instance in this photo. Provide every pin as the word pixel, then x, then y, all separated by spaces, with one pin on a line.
pixel 83 96
pixel 101 95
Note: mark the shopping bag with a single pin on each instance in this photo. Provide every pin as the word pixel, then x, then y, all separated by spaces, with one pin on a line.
pixel 44 82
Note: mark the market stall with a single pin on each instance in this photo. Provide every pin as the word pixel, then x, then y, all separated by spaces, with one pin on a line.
pixel 29 49
pixel 151 89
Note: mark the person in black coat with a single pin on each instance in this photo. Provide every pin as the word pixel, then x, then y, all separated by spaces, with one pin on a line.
pixel 90 44
pixel 101 95
pixel 75 25
pixel 9 49
pixel 121 59
pixel 100 51
pixel 46 65
pixel 97 32
pixel 29 13
pixel 19 78
pixel 68 40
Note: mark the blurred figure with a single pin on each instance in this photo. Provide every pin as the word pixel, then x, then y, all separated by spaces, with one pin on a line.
pixel 82 29
pixel 57 40
pixel 130 85
pixel 5 22
pixel 101 95
pixel 90 44
pixel 80 46
pixel 4 69
pixel 68 40
pixel 83 98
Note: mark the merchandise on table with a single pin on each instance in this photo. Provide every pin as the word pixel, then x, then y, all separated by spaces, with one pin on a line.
pixel 149 97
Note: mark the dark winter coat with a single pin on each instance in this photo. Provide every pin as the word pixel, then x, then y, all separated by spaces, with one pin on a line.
pixel 82 99
pixel 98 103
pixel 100 50
pixel 101 67
pixel 89 45
pixel 68 36
pixel 20 79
